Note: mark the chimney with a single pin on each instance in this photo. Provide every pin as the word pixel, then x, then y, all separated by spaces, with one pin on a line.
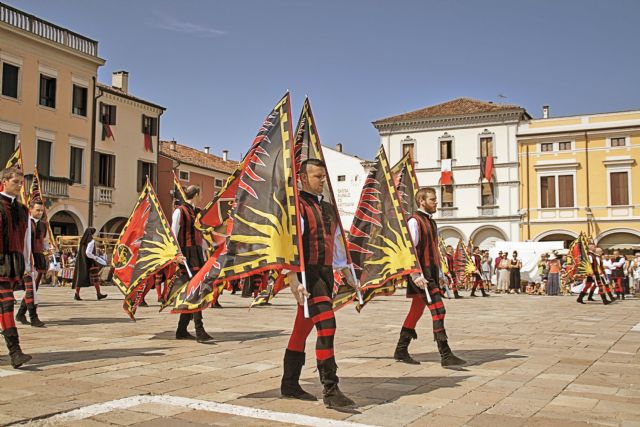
pixel 206 150
pixel 120 80
pixel 225 155
pixel 545 111
pixel 172 145
pixel 339 147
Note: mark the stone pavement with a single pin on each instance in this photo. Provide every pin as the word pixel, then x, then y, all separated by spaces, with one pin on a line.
pixel 534 361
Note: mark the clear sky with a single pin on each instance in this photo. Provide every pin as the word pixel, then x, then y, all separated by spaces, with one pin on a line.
pixel 219 66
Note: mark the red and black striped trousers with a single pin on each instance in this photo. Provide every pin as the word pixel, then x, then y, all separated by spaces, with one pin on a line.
pixel 319 286
pixel 438 313
pixel 7 302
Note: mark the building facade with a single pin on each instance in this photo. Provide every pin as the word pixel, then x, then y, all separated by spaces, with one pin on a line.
pixel 192 167
pixel 47 76
pixel 347 174
pixel 581 173
pixel 461 136
pixel 126 152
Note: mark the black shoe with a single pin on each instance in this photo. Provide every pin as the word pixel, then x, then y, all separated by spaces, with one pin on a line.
pixel 184 335
pixel 580 298
pixel 290 386
pixel 484 294
pixel 216 305
pixel 401 353
pixel 473 294
pixel 36 322
pixel 22 318
pixel 456 295
pixel 101 296
pixel 333 398
pixel 77 297
pixel 203 336
pixel 142 304
pixel 19 358
pixel 447 358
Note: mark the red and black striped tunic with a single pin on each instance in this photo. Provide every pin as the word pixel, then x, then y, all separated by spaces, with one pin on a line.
pixel 320 224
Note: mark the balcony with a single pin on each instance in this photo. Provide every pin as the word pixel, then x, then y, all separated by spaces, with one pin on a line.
pixel 488 210
pixel 51 187
pixel 46 30
pixel 103 195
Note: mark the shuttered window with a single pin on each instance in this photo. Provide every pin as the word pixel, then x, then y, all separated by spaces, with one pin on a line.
pixel 619 188
pixel 548 192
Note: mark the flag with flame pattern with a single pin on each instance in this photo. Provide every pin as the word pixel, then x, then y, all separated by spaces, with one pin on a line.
pixel 406 183
pixel 578 265
pixel 36 194
pixel 256 212
pixel 379 241
pixel 16 161
pixel 145 246
pixel 463 265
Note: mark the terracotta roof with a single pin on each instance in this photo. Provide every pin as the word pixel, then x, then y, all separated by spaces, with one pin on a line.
pixel 194 157
pixel 456 107
pixel 127 95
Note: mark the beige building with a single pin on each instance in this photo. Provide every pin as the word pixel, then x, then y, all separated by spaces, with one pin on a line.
pixel 581 173
pixel 126 152
pixel 47 79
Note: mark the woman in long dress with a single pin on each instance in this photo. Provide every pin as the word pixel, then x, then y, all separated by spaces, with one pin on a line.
pixel 554 275
pixel 503 274
pixel 514 268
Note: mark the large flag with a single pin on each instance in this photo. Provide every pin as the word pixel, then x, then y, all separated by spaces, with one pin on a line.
pixel 178 191
pixel 444 264
pixel 36 194
pixel 259 219
pixel 16 161
pixel 578 265
pixel 145 246
pixel 406 183
pixel 463 263
pixel 379 241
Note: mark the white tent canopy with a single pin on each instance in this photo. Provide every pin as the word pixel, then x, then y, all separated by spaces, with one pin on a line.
pixel 529 253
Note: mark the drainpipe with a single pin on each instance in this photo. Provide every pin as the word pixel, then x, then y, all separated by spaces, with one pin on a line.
pixel 586 152
pixel 155 174
pixel 92 150
pixel 528 198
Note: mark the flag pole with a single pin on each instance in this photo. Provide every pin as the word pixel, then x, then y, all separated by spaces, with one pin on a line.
pixel 306 302
pixel 355 278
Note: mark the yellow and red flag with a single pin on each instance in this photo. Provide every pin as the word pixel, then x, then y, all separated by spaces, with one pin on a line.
pixel 406 183
pixel 146 245
pixel 36 194
pixel 379 241
pixel 256 213
pixel 16 161
pixel 463 263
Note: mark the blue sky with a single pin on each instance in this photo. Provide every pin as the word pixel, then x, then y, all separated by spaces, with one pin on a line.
pixel 219 66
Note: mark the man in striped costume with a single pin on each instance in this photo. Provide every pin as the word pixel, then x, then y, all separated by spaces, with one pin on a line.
pixel 191 243
pixel 39 245
pixel 424 234
pixel 323 251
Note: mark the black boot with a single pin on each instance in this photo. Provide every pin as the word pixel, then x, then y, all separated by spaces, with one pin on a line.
pixel 456 295
pixel 611 297
pixel 581 297
pixel 21 314
pixel 201 334
pixel 183 322
pixel 447 358
pixel 33 315
pixel 18 358
pixel 591 292
pixel 217 304
pixel 484 294
pixel 332 397
pixel 605 301
pixel 77 297
pixel 290 384
pixel 473 293
pixel 100 296
pixel 402 349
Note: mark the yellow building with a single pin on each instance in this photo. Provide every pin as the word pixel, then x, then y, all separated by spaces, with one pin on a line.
pixel 581 173
pixel 47 80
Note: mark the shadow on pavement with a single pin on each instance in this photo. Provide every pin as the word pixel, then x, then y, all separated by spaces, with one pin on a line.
pixel 226 336
pixel 63 357
pixel 375 390
pixel 473 357
pixel 86 321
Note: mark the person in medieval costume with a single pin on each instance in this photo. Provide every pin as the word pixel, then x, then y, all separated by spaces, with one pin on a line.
pixel 88 266
pixel 618 263
pixel 477 276
pixel 183 225
pixel 323 251
pixel 15 257
pixel 424 232
pixel 451 277
pixel 39 245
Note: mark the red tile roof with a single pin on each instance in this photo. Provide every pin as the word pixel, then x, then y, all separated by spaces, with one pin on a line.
pixel 194 157
pixel 456 107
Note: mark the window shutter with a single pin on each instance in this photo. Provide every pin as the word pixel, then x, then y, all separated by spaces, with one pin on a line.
pixel 112 114
pixel 565 191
